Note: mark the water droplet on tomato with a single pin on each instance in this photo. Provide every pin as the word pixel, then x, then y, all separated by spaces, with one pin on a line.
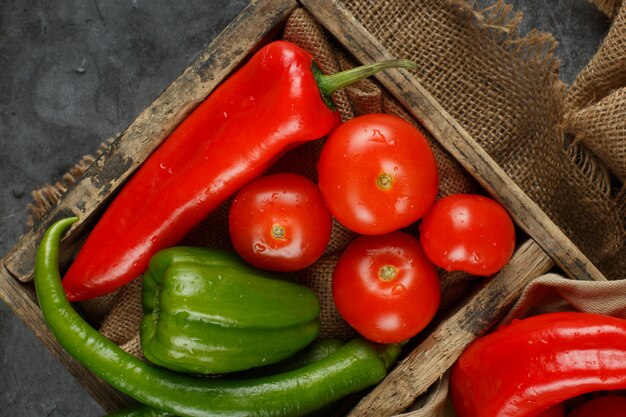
pixel 259 248
pixel 398 289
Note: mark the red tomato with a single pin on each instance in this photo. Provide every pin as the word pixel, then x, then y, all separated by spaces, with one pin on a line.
pixel 385 287
pixel 605 406
pixel 468 232
pixel 280 222
pixel 378 174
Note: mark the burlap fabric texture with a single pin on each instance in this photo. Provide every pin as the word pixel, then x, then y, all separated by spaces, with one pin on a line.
pixel 563 147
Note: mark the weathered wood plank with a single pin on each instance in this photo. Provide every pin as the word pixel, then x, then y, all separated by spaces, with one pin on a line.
pixel 153 125
pixel 425 364
pixel 408 91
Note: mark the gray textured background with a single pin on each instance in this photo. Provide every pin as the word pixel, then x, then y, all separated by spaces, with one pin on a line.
pixel 75 72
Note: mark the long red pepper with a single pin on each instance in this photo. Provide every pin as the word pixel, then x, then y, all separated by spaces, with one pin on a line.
pixel 276 101
pixel 524 368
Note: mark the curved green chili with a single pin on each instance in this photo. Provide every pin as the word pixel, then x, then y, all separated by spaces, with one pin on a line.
pixel 316 351
pixel 355 366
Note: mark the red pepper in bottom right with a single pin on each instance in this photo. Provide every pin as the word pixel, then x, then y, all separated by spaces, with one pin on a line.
pixel 529 365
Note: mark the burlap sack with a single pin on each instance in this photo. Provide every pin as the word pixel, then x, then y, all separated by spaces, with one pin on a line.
pixel 596 102
pixel 608 7
pixel 601 127
pixel 504 90
pixel 605 72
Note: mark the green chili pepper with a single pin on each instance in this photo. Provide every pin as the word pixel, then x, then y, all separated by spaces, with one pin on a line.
pixel 316 351
pixel 208 312
pixel 355 366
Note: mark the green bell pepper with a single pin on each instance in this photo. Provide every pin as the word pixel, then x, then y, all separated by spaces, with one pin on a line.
pixel 207 312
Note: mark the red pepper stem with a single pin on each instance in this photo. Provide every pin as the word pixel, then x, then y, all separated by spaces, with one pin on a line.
pixel 328 84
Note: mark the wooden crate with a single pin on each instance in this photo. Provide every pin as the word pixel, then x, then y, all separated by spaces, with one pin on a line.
pixel 257 24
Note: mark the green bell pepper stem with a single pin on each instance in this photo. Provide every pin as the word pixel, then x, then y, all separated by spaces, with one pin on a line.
pixel 355 366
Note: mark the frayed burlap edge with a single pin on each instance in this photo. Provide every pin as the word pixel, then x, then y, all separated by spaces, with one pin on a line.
pixel 608 7
pixel 46 197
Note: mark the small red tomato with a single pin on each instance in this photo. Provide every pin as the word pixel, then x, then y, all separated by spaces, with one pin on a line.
pixel 468 232
pixel 377 173
pixel 280 222
pixel 385 287
pixel 605 406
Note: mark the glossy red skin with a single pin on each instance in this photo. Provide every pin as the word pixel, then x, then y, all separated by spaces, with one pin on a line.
pixel 386 311
pixel 264 109
pixel 535 363
pixel 290 201
pixel 605 406
pixel 468 232
pixel 557 410
pixel 352 159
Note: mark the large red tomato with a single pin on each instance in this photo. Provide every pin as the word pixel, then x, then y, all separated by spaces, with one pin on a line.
pixel 385 287
pixel 378 174
pixel 468 232
pixel 280 222
pixel 604 406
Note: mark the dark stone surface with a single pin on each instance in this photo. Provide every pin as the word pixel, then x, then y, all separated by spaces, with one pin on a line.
pixel 77 72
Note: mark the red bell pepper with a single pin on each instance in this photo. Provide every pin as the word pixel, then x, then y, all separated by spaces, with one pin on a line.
pixel 524 368
pixel 609 405
pixel 276 101
pixel 557 410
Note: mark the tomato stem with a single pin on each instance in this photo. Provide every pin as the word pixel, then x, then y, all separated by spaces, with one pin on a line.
pixel 384 181
pixel 278 232
pixel 387 272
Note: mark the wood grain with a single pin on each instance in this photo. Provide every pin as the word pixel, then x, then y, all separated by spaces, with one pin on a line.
pixel 100 182
pixel 408 91
pixel 426 363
